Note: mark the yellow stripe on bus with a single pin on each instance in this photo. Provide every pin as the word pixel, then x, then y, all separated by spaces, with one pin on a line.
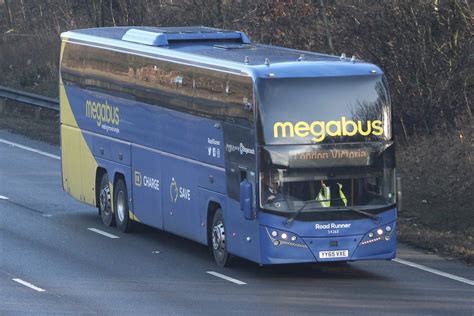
pixel 63 44
pixel 132 216
pixel 78 163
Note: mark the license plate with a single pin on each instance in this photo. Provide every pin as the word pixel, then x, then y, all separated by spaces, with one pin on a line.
pixel 334 254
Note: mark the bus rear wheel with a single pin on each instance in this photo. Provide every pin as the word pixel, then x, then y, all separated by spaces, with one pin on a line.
pixel 219 246
pixel 121 207
pixel 105 202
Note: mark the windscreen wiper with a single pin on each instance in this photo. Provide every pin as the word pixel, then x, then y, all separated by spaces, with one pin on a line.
pixel 366 214
pixel 290 220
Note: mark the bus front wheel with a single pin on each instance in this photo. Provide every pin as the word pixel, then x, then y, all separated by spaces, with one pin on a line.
pixel 105 204
pixel 121 206
pixel 219 246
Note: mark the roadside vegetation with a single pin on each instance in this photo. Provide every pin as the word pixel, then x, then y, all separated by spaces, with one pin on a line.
pixel 424 47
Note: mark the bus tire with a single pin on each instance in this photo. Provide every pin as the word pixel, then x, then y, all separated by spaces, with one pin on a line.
pixel 105 202
pixel 219 246
pixel 121 207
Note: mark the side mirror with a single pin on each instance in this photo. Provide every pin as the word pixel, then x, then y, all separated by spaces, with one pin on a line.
pixel 246 202
pixel 399 191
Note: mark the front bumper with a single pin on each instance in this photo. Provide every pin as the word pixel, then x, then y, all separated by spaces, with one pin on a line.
pixel 378 243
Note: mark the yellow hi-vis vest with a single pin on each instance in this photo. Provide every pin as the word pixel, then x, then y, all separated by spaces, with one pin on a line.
pixel 324 196
pixel 342 195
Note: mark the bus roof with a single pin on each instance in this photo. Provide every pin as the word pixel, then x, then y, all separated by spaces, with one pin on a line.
pixel 221 50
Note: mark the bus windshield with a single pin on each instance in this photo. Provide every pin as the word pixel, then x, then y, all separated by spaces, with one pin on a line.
pixel 286 186
pixel 323 110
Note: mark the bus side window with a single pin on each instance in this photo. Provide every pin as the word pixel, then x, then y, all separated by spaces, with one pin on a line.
pixel 243 175
pixel 209 90
pixel 233 183
pixel 239 99
pixel 72 64
pixel 107 71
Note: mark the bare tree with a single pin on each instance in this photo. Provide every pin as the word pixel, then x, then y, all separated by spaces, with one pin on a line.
pixel 424 46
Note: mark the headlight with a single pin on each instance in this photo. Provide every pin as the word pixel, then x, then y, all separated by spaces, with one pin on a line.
pixel 379 234
pixel 283 238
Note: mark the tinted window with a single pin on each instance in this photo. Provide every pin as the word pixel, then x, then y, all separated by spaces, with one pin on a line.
pixel 180 87
pixel 72 63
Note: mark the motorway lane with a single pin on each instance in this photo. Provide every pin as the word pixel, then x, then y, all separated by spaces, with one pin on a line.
pixel 44 240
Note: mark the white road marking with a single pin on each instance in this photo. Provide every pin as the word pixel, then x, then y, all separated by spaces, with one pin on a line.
pixel 98 231
pixel 434 271
pixel 216 274
pixel 225 277
pixel 29 149
pixel 27 284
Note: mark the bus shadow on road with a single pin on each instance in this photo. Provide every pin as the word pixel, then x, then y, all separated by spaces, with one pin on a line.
pixel 328 270
pixel 175 246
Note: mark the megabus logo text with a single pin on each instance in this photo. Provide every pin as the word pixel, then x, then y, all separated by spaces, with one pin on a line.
pixel 103 114
pixel 320 129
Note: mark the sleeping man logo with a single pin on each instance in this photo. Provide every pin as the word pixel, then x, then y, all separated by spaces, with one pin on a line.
pixel 173 190
pixel 179 192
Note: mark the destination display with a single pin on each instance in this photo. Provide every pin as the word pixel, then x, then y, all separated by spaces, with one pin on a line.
pixel 327 155
pixel 331 157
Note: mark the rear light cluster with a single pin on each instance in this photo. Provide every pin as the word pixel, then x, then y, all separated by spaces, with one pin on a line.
pixel 380 233
pixel 279 238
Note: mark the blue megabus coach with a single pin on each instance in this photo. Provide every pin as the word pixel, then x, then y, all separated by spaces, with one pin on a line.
pixel 271 154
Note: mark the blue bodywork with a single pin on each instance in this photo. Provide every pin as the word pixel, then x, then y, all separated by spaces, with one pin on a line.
pixel 174 163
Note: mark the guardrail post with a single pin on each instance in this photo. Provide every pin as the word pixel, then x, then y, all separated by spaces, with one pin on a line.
pixel 2 105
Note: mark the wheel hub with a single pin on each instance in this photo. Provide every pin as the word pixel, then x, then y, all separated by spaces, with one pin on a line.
pixel 120 206
pixel 104 198
pixel 218 237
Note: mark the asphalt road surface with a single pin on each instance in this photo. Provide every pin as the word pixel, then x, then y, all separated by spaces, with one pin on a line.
pixel 57 258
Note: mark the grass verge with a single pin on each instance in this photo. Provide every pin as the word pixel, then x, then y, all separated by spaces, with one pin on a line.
pixel 438 182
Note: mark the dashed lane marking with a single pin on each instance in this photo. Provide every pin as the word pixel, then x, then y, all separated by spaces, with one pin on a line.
pixel 225 277
pixel 101 232
pixel 434 271
pixel 29 149
pixel 216 274
pixel 27 284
